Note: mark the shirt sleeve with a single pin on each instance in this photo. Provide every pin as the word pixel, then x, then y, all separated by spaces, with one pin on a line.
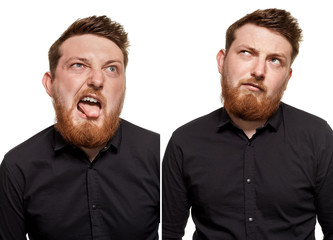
pixel 175 202
pixel 12 225
pixel 324 198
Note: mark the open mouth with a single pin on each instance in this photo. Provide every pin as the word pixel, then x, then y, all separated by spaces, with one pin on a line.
pixel 90 107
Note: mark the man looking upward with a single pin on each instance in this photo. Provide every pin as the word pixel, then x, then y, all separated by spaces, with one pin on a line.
pixel 256 168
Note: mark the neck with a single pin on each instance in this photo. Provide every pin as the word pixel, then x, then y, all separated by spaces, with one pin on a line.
pixel 248 127
pixel 92 152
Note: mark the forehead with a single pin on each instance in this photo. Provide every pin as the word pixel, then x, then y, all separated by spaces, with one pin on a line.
pixel 261 38
pixel 89 45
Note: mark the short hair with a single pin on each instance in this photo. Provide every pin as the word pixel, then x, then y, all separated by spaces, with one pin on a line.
pixel 277 20
pixel 97 25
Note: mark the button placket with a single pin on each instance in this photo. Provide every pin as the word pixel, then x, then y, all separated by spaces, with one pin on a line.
pixel 93 199
pixel 249 189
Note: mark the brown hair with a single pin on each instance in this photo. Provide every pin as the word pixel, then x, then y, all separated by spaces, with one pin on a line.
pixel 97 25
pixel 274 19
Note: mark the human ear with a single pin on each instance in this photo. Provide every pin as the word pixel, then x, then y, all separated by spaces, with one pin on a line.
pixel 290 73
pixel 220 60
pixel 47 83
pixel 288 78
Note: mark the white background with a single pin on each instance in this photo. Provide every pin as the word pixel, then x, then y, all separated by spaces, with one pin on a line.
pixel 172 74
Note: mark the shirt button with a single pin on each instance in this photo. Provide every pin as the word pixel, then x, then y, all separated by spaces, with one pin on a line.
pixel 251 219
pixel 248 180
pixel 93 207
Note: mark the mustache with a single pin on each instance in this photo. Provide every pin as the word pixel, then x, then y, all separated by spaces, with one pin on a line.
pixel 253 82
pixel 90 92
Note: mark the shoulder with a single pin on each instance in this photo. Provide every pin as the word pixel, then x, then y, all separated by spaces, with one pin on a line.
pixel 206 124
pixel 138 137
pixel 142 144
pixel 135 131
pixel 301 126
pixel 36 142
pixel 299 119
pixel 39 146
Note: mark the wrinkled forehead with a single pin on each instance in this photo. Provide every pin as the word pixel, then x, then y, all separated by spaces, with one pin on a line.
pixel 262 38
pixel 89 45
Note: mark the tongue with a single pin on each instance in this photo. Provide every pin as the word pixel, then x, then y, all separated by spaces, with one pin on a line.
pixel 91 110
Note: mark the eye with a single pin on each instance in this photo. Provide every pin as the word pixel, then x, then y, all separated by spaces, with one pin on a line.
pixel 245 52
pixel 276 61
pixel 111 69
pixel 77 65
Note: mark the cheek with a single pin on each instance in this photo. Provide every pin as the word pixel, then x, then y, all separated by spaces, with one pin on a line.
pixel 64 94
pixel 234 77
pixel 236 72
pixel 277 86
pixel 71 83
pixel 114 93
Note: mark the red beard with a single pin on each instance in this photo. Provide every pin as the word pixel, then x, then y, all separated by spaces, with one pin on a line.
pixel 86 134
pixel 251 106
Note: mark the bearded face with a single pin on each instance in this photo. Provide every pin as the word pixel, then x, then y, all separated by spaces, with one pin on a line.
pixel 255 72
pixel 250 106
pixel 88 90
pixel 87 133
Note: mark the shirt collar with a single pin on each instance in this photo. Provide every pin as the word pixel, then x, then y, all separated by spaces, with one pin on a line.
pixel 225 120
pixel 114 143
pixel 273 122
pixel 58 142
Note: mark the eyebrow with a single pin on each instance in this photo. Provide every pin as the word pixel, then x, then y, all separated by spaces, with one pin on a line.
pixel 113 61
pixel 275 54
pixel 85 60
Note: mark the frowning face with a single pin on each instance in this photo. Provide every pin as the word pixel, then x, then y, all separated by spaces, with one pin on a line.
pixel 89 83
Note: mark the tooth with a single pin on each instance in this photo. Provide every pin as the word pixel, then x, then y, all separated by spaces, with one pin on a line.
pixel 89 99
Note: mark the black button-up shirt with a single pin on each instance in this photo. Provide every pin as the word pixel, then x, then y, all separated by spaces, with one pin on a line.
pixel 50 190
pixel 269 187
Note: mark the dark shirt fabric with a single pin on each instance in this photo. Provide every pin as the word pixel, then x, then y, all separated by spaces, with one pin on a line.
pixel 269 187
pixel 50 190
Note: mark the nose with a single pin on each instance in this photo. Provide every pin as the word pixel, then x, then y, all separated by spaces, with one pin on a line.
pixel 96 79
pixel 259 69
